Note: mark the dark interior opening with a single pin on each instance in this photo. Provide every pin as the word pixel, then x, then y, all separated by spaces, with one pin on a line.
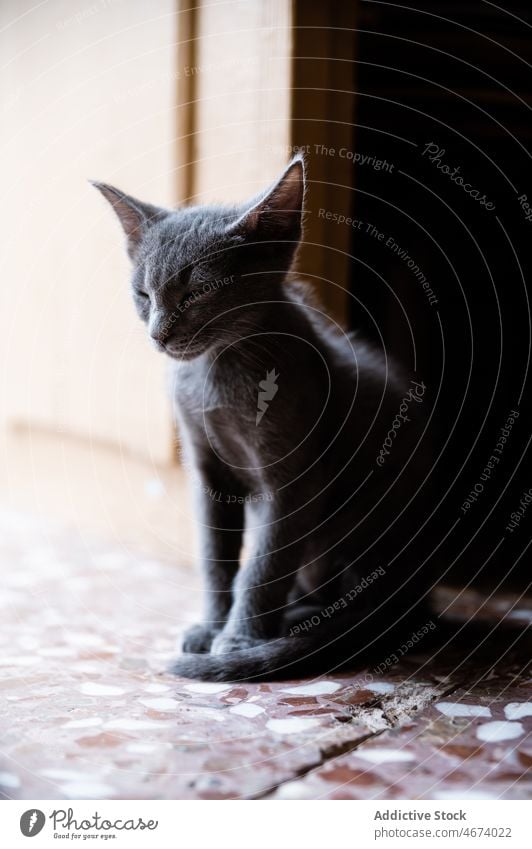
pixel 441 245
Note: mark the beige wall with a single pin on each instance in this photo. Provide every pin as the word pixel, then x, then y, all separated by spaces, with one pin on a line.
pixel 88 89
pixel 91 90
pixel 242 97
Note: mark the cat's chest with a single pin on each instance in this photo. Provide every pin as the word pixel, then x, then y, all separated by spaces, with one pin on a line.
pixel 208 394
pixel 219 411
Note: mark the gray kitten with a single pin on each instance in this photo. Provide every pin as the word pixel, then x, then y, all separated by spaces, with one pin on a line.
pixel 298 432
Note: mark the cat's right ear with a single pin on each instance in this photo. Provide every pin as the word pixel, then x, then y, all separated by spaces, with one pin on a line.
pixel 134 215
pixel 277 213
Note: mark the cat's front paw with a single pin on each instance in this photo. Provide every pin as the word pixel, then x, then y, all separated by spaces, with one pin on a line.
pixel 198 638
pixel 224 643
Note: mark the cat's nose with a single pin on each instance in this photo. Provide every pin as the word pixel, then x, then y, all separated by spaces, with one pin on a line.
pixel 159 335
pixel 159 329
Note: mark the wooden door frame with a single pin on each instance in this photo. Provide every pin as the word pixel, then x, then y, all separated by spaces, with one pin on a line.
pixel 324 45
pixel 320 117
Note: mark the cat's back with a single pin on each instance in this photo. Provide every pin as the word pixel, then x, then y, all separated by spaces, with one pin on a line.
pixel 356 365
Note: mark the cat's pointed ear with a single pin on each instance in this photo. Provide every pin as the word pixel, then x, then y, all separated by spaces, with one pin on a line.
pixel 278 213
pixel 134 215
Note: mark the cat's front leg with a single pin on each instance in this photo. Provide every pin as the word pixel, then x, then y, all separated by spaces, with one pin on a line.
pixel 221 527
pixel 262 587
pixel 198 638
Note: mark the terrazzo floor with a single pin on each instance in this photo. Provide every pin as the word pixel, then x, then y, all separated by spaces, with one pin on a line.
pixel 87 710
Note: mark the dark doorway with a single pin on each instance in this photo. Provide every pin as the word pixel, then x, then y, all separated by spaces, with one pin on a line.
pixel 442 250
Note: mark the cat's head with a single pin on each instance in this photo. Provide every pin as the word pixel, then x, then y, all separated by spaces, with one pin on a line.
pixel 201 273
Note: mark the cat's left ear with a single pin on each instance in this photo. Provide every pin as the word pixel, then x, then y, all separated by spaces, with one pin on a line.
pixel 134 215
pixel 278 213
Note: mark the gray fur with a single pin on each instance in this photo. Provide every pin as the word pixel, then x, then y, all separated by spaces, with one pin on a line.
pixel 211 285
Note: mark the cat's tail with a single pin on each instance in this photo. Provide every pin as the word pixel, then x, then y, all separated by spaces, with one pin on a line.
pixel 281 658
pixel 309 654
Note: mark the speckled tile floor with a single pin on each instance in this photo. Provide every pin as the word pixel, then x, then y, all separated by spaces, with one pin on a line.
pixel 87 711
